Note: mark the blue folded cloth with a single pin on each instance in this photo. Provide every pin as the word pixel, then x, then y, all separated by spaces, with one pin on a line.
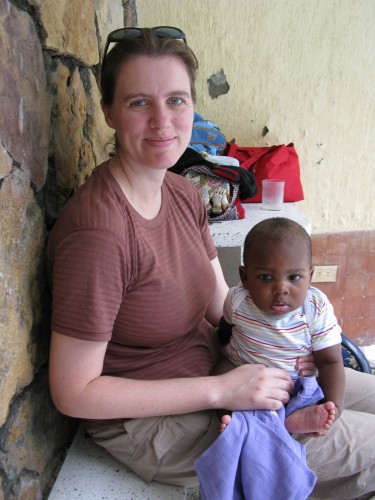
pixel 256 458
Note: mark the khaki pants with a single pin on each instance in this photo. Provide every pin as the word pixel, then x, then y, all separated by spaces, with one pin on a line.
pixel 344 459
pixel 164 448
pixel 160 449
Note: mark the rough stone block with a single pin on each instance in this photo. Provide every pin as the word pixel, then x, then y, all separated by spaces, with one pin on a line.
pixel 25 113
pixel 70 28
pixel 21 250
pixel 32 441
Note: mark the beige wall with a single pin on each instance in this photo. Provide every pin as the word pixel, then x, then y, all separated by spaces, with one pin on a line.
pixel 305 69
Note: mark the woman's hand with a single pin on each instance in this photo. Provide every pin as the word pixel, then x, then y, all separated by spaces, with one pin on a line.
pixel 306 366
pixel 254 387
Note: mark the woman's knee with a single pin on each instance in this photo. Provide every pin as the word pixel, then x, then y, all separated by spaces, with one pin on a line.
pixel 359 391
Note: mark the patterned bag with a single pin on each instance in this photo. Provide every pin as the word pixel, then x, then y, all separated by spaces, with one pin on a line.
pixel 221 186
pixel 219 195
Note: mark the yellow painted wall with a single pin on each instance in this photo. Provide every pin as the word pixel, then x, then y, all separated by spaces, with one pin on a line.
pixel 305 69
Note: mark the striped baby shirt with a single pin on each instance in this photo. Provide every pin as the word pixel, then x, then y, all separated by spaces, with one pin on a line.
pixel 278 340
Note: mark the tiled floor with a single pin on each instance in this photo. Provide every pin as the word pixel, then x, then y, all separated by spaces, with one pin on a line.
pixel 369 352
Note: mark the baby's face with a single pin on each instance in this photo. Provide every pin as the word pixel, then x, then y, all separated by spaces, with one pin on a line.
pixel 278 275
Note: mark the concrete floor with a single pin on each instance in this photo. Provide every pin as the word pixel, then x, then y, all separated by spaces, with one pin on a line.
pixel 90 473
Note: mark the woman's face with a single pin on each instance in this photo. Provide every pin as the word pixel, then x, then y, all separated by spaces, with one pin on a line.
pixel 152 111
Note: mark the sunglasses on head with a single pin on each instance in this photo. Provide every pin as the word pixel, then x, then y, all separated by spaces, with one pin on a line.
pixel 131 33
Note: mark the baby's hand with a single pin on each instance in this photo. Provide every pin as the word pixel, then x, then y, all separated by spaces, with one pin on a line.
pixel 306 366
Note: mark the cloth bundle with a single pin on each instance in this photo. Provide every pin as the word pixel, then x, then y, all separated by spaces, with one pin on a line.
pixel 256 457
pixel 222 187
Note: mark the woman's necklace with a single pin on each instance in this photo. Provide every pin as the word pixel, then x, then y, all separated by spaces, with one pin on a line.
pixel 148 209
pixel 124 181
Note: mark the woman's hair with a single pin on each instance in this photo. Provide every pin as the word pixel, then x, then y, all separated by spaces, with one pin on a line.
pixel 274 230
pixel 148 44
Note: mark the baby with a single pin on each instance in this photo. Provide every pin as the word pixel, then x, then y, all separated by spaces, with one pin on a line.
pixel 274 316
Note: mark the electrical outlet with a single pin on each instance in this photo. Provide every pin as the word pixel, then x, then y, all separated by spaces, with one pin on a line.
pixel 324 274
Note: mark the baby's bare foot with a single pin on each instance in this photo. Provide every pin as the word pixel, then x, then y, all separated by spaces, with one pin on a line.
pixel 224 421
pixel 312 419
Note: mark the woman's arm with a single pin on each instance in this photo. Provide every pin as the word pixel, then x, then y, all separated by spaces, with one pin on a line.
pixel 215 308
pixel 78 389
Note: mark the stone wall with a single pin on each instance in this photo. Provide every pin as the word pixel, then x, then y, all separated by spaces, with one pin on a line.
pixel 52 134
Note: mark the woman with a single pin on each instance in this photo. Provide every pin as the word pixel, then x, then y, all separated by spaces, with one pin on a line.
pixel 137 286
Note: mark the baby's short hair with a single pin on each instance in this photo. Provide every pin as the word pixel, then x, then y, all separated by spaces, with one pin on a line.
pixel 275 229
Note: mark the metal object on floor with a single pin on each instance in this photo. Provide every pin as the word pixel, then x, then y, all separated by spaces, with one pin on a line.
pixel 355 351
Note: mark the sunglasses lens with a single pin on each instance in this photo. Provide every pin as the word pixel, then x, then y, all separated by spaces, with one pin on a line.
pixel 131 33
pixel 169 32
pixel 124 34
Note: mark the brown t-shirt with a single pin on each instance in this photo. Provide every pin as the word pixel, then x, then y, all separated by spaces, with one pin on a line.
pixel 142 285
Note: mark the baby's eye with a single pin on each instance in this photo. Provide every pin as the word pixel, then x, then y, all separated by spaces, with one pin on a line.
pixel 175 101
pixel 265 277
pixel 295 277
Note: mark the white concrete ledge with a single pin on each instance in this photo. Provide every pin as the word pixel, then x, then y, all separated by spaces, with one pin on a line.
pixel 232 233
pixel 229 236
pixel 90 473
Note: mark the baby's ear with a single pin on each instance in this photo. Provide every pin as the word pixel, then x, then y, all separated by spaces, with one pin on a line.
pixel 311 272
pixel 243 276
